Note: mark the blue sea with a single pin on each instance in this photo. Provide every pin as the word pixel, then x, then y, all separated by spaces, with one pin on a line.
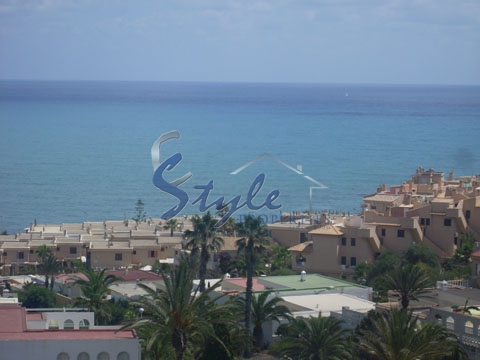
pixel 75 151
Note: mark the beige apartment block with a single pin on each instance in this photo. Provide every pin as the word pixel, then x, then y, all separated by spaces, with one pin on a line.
pixel 290 233
pixel 425 209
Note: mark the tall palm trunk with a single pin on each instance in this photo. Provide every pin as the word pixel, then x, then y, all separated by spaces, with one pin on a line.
pixel 258 335
pixel 202 269
pixel 248 294
pixel 180 344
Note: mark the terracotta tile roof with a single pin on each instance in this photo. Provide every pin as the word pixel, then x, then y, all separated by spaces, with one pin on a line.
pixel 12 320
pixel 302 247
pixel 382 198
pixel 242 283
pixel 134 275
pixel 326 230
pixel 13 327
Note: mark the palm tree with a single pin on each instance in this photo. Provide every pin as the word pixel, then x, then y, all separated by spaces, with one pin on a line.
pixel 177 321
pixel 228 227
pixel 203 238
pixel 254 237
pixel 171 225
pixel 49 264
pixel 264 310
pixel 399 335
pixel 320 338
pixel 95 290
pixel 409 282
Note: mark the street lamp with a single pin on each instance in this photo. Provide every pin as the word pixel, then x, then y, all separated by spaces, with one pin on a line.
pixel 141 310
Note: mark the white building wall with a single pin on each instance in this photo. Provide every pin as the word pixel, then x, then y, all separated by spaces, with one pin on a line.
pixel 51 349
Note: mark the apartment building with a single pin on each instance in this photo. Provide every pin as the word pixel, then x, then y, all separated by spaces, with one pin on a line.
pixel 427 209
pixel 107 244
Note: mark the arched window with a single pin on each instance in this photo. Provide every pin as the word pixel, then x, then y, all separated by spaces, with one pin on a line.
pixel 439 319
pixel 63 356
pixel 469 328
pixel 68 324
pixel 450 323
pixel 83 356
pixel 103 356
pixel 84 324
pixel 123 356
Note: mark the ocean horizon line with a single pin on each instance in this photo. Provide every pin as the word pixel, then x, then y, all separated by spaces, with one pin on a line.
pixel 240 82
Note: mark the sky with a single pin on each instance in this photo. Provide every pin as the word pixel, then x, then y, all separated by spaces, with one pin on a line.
pixel 301 41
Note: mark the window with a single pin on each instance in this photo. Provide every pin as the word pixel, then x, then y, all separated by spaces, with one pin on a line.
pixel 68 324
pixel 422 221
pixel 353 242
pixel 353 261
pixel 103 356
pixel 450 323
pixel 83 356
pixel 344 260
pixel 400 233
pixel 467 214
pixel 384 232
pixel 123 356
pixel 134 252
pixel 73 250
pixel 427 221
pixel 303 237
pixel 21 255
pixel 153 254
pixel 469 328
pixel 447 222
pixel 118 257
pixel 63 356
pixel 344 241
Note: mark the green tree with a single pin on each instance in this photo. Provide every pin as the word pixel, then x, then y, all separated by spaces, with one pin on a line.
pixel 203 240
pixel 254 238
pixel 463 254
pixel 34 296
pixel 171 225
pixel 409 282
pixel 49 265
pixel 263 310
pixel 320 338
pixel 140 213
pixel 386 262
pixel 177 322
pixel 95 290
pixel 228 227
pixel 398 335
pixel 421 253
pixel 281 258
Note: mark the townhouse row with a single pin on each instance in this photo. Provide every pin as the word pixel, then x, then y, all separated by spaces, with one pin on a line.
pixel 108 244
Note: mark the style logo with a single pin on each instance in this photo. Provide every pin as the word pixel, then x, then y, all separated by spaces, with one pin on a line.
pixel 173 189
pixel 298 171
